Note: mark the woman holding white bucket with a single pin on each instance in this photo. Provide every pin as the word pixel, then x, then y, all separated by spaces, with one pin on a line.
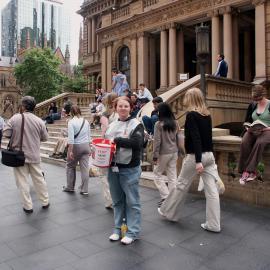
pixel 78 151
pixel 124 172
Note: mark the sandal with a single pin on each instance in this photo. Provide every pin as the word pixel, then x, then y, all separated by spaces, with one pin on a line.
pixel 243 179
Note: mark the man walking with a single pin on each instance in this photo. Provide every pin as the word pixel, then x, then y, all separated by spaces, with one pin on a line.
pixel 222 69
pixel 34 132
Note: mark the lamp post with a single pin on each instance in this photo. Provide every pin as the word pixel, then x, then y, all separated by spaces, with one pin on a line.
pixel 202 52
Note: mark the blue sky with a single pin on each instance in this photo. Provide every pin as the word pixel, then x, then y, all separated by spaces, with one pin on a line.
pixel 73 6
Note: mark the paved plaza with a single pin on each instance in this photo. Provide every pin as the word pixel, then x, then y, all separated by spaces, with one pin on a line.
pixel 73 233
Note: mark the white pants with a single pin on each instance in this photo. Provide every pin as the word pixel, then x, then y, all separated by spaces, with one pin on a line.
pixel 105 187
pixel 166 163
pixel 172 206
pixel 21 175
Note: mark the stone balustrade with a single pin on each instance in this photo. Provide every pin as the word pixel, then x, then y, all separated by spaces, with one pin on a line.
pixel 148 3
pixel 120 13
pixel 81 99
pixel 226 151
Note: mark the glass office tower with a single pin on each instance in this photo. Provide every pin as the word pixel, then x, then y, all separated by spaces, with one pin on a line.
pixel 45 22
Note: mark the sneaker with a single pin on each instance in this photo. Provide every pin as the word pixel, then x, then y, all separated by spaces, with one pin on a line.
pixel 65 189
pixel 160 203
pixel 251 177
pixel 160 212
pixel 46 206
pixel 204 226
pixel 243 179
pixel 127 240
pixel 114 237
pixel 84 193
pixel 28 211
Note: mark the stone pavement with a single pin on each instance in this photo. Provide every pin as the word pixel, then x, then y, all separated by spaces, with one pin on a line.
pixel 73 233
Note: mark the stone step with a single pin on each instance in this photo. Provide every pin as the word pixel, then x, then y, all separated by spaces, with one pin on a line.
pixel 46 150
pixel 49 144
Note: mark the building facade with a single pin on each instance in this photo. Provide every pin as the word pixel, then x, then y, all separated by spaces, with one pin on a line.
pixel 45 21
pixel 153 41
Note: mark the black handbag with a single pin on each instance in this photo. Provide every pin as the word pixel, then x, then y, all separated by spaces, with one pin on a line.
pixel 12 157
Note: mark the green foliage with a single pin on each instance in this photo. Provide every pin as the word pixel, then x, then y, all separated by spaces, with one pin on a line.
pixel 260 168
pixel 39 75
pixel 77 84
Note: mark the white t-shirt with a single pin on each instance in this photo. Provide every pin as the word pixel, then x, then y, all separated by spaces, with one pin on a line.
pixel 145 94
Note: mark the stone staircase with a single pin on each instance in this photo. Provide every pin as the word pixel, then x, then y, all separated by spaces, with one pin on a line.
pixel 54 130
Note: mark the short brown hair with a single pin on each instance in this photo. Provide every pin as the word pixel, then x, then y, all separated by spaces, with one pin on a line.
pixel 258 91
pixel 75 111
pixel 123 98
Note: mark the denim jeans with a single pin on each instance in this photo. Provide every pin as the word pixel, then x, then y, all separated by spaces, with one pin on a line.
pixel 124 188
pixel 149 123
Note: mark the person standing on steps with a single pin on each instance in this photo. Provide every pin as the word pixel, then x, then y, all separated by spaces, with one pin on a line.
pixel 34 133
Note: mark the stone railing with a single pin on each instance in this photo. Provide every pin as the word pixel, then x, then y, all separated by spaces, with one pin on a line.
pixel 226 151
pixel 227 99
pixel 120 14
pixel 148 3
pixel 80 99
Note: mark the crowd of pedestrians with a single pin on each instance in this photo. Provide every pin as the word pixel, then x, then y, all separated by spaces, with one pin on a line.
pixel 120 181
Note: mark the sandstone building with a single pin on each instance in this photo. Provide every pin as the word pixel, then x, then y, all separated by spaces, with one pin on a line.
pixel 153 41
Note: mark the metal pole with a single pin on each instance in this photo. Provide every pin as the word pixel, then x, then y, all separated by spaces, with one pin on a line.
pixel 203 82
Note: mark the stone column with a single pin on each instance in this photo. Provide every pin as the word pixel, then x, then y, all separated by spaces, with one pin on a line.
pixel 85 37
pixel 143 59
pixel 133 64
pixel 236 46
pixel 152 59
pixel 94 35
pixel 103 67
pixel 215 40
pixel 260 39
pixel 89 36
pixel 163 60
pixel 172 56
pixel 180 51
pixel 109 67
pixel 228 40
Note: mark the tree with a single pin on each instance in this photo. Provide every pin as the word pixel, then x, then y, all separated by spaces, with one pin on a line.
pixel 77 83
pixel 39 74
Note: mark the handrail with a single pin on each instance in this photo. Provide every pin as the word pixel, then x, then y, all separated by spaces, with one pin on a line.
pixel 222 95
pixel 80 99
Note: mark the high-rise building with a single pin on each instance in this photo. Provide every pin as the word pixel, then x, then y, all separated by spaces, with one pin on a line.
pixel 46 22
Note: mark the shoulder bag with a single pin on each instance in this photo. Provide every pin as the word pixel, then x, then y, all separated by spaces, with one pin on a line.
pixel 12 157
pixel 76 135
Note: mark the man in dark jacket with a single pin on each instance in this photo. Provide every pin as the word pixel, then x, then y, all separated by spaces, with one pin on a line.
pixel 222 69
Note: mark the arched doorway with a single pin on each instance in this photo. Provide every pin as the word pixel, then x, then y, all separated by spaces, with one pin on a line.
pixel 124 61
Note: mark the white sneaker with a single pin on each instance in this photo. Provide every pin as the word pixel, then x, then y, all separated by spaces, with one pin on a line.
pixel 204 226
pixel 127 240
pixel 114 237
pixel 160 212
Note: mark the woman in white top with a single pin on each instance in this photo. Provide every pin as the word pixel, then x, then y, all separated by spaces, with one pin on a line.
pixel 78 151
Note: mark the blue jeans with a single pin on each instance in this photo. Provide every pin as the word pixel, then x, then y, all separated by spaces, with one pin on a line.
pixel 149 123
pixel 124 188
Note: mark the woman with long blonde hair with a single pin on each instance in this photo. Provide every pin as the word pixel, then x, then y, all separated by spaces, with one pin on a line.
pixel 198 161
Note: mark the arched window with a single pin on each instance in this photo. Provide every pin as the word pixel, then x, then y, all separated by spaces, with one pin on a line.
pixel 124 62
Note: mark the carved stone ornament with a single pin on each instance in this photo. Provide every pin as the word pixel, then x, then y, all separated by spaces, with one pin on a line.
pixel 258 2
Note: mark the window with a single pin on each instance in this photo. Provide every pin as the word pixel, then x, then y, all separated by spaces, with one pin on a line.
pixel 124 61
